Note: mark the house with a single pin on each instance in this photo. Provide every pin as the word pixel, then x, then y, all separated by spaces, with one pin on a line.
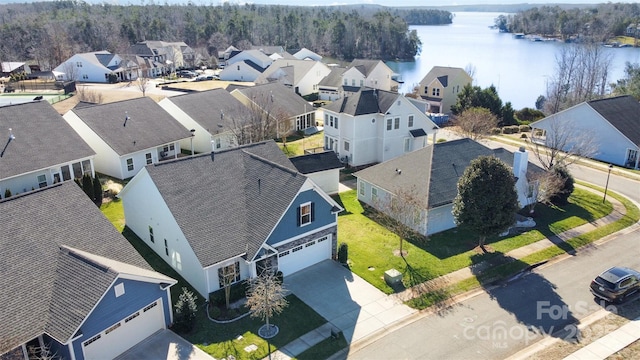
pixel 223 56
pixel 161 57
pixel 633 30
pixel 238 211
pixel 38 148
pixel 71 284
pixel 440 87
pixel 372 126
pixel 269 49
pixel 302 76
pixel 330 88
pixel 373 74
pixel 306 54
pixel 323 168
pixel 95 67
pixel 431 175
pixel 245 66
pixel 127 135
pixel 278 102
pixel 214 116
pixel 8 68
pixel 611 126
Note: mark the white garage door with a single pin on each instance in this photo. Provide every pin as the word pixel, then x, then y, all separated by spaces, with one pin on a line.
pixel 304 255
pixel 126 333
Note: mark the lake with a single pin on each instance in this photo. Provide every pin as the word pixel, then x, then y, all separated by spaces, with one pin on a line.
pixel 519 68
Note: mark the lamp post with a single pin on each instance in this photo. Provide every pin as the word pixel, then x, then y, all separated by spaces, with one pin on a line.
pixel 193 133
pixel 606 186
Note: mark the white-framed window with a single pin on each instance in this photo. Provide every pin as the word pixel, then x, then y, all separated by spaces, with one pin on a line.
pixel 345 82
pixel 389 121
pixel 407 144
pixel 331 120
pixel 353 82
pixel 42 181
pixel 149 158
pixel 396 123
pixel 229 274
pixel 374 194
pixel 435 92
pixel 361 83
pixel 305 214
pixel 335 122
pixel 410 121
pixel 86 167
pixel 361 186
pixel 130 164
pixel 346 146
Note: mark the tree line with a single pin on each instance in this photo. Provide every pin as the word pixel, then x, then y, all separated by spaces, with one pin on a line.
pixel 50 32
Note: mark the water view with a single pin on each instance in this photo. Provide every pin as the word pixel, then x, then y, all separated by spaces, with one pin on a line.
pixel 519 68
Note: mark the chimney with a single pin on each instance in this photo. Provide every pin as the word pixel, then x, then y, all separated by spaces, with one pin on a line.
pixel 520 163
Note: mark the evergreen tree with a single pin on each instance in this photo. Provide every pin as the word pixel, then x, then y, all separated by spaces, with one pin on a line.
pixel 97 190
pixel 186 309
pixel 87 186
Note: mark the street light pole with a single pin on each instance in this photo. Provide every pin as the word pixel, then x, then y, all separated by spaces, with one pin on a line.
pixel 606 186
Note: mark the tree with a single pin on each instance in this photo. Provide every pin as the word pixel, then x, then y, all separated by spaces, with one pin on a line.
pixel 265 298
pixel 186 309
pixel 97 190
pixel 630 84
pixel 563 143
pixel 487 200
pixel 501 23
pixel 475 123
pixel 561 197
pixel 475 96
pixel 544 186
pixel 87 186
pixel 143 83
pixel 228 276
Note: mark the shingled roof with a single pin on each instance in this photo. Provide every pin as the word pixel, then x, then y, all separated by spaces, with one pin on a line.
pixel 286 100
pixel 215 110
pixel 623 112
pixel 365 101
pixel 310 163
pixel 42 139
pixel 148 125
pixel 227 203
pixel 364 66
pixel 56 245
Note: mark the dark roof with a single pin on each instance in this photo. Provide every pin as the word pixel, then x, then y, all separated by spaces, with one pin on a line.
pixel 623 112
pixel 46 288
pixel 215 110
pixel 228 203
pixel 417 132
pixel 444 80
pixel 148 124
pixel 316 162
pixel 365 101
pixel 285 100
pixel 254 65
pixel 42 139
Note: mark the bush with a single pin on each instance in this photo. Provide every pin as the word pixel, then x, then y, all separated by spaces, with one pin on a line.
pixel 441 140
pixel 525 128
pixel 512 129
pixel 496 131
pixel 7 193
pixel 186 309
pixel 562 198
pixel 238 291
pixel 343 253
pixel 523 136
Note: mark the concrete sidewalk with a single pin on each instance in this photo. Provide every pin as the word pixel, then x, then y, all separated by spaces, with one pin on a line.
pixel 610 343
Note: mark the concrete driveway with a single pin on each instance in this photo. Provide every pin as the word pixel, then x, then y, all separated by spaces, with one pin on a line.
pixel 347 301
pixel 164 344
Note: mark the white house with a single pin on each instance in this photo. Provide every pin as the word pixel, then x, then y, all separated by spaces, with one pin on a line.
pixel 440 87
pixel 372 126
pixel 127 135
pixel 306 54
pixel 238 211
pixel 373 74
pixel 245 66
pixel 38 148
pixel 430 175
pixel 94 67
pixel 213 118
pixel 611 127
pixel 302 76
pixel 323 168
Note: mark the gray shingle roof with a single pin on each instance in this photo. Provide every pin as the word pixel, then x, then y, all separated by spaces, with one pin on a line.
pixel 310 163
pixel 228 206
pixel 42 139
pixel 285 99
pixel 364 66
pixel 213 108
pixel 334 79
pixel 623 112
pixel 365 101
pixel 149 125
pixel 45 288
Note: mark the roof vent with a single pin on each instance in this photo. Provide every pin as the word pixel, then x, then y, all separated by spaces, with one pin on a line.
pixel 11 137
pixel 398 171
pixel 126 118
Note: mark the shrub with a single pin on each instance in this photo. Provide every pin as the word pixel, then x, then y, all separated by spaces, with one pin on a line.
pixel 441 140
pixel 523 136
pixel 7 193
pixel 562 197
pixel 496 131
pixel 525 128
pixel 237 292
pixel 280 277
pixel 512 129
pixel 343 253
pixel 186 309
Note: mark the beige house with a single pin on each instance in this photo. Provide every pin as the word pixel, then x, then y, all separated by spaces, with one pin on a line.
pixel 440 87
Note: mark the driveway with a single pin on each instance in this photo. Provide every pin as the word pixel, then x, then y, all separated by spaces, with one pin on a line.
pixel 347 301
pixel 164 344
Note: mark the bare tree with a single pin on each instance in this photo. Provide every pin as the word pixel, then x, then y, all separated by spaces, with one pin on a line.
pixel 174 58
pixel 143 84
pixel 562 143
pixel 227 275
pixel 543 186
pixel 265 298
pixel 85 94
pixel 475 123
pixel 71 72
pixel 266 120
pixel 470 69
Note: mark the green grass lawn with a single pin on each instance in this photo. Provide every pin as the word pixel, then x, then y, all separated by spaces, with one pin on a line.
pixel 114 211
pixel 371 246
pixel 297 146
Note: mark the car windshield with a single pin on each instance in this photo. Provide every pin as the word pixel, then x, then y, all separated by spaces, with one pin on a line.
pixel 605 283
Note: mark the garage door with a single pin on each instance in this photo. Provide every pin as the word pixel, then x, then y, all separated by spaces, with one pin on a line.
pixel 304 255
pixel 128 332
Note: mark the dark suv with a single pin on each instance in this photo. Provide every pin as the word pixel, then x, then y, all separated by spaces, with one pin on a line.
pixel 616 284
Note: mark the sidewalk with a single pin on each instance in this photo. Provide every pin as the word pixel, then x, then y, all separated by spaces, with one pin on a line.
pixel 599 349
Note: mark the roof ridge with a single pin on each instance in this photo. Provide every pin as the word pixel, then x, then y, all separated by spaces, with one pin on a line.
pixel 265 160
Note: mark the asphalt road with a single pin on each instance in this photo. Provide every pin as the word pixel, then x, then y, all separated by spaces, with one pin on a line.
pixel 506 319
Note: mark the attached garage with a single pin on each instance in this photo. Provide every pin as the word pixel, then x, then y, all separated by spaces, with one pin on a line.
pixel 126 333
pixel 304 255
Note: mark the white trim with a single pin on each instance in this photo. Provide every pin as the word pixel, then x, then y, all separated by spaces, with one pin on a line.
pixel 284 242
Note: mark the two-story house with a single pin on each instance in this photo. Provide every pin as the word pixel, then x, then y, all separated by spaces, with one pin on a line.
pixel 373 74
pixel 95 67
pixel 302 76
pixel 440 87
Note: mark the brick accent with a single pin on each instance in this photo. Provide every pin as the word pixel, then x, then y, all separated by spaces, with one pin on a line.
pixel 333 231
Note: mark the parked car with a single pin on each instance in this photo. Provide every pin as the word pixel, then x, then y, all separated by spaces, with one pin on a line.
pixel 187 74
pixel 616 284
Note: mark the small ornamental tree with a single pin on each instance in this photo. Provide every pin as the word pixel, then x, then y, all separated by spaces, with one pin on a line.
pixel 487 200
pixel 265 298
pixel 186 309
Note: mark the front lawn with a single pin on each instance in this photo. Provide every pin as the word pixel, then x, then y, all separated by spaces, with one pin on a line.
pixel 371 246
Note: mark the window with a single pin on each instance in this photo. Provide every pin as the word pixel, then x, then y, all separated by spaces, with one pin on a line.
pixel 172 147
pixel 229 274
pixel 238 67
pixel 130 164
pixel 331 120
pixel 410 122
pixel 345 82
pixel 176 260
pixel 435 92
pixel 119 289
pixel 361 186
pixel 132 317
pixel 93 339
pixel 77 170
pixel 112 328
pixel 426 90
pixel 149 159
pixel 346 146
pixel 326 143
pixel 407 144
pixel 86 167
pixel 388 124
pixel 353 82
pixel 297 248
pixel 66 173
pixel 305 214
pixel 374 194
pixel 396 123
pixel 285 253
pixel 166 247
pixel 361 83
pixel 335 122
pixel 151 235
pixel 326 119
pixel 42 181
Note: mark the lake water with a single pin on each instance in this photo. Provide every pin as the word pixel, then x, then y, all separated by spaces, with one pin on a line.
pixel 519 68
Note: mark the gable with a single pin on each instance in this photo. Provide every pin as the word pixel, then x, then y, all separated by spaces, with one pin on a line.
pixel 622 112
